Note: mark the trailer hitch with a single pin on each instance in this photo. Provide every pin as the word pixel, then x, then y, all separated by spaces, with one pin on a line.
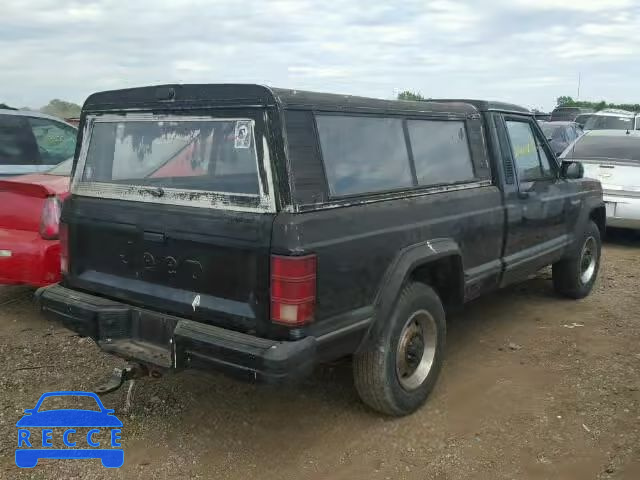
pixel 121 375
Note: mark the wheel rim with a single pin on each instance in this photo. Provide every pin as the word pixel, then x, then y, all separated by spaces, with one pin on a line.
pixel 416 350
pixel 588 260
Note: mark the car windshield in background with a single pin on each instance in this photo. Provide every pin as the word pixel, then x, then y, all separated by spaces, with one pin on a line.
pixel 549 130
pixel 606 122
pixel 597 147
pixel 582 118
pixel 212 155
pixel 62 169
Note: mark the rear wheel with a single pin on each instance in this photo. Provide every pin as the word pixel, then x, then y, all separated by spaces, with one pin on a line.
pixel 397 374
pixel 575 275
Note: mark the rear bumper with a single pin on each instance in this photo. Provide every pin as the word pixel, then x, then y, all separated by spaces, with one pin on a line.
pixel 172 342
pixel 26 258
pixel 622 211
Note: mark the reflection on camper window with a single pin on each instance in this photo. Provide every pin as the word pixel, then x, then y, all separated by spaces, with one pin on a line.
pixel 440 151
pixel 363 154
pixel 214 155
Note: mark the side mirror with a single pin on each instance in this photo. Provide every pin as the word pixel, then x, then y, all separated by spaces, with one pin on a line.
pixel 572 170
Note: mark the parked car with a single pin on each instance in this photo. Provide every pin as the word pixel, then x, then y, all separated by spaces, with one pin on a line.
pixel 568 114
pixel 560 134
pixel 311 226
pixel 613 157
pixel 29 226
pixel 33 142
pixel 541 116
pixel 582 119
pixel 612 119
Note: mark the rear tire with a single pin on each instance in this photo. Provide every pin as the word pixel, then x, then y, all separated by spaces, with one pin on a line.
pixel 575 275
pixel 396 375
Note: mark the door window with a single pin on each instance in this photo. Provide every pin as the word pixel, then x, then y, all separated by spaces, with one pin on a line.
pixel 547 170
pixel 525 151
pixel 532 161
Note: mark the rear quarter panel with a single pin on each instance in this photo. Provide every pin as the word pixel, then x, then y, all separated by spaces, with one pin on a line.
pixel 357 244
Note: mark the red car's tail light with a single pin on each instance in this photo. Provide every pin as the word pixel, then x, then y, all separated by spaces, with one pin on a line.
pixel 50 218
pixel 293 289
pixel 64 248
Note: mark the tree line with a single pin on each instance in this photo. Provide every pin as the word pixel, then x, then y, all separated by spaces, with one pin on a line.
pixel 566 101
pixel 56 107
pixel 562 101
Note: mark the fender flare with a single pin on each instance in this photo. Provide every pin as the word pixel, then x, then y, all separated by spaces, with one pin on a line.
pixel 590 205
pixel 395 277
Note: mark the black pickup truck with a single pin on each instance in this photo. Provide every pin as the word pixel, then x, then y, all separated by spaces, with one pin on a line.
pixel 262 231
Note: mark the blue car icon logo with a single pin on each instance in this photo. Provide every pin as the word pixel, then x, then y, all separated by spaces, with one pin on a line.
pixel 34 445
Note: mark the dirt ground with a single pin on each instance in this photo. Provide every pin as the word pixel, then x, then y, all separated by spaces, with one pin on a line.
pixel 534 387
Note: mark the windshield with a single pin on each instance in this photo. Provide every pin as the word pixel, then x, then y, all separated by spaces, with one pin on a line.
pixel 213 155
pixel 582 118
pixel 551 130
pixel 606 122
pixel 623 147
pixel 63 168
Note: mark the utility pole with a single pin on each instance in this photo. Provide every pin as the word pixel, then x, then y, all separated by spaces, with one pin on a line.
pixel 578 97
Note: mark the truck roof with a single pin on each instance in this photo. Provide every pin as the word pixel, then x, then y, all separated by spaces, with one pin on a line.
pixel 219 95
pixel 488 105
pixel 615 112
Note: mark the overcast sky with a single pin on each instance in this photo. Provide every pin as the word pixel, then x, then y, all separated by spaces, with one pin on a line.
pixel 524 51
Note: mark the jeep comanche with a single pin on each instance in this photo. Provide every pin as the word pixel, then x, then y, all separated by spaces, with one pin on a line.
pixel 262 231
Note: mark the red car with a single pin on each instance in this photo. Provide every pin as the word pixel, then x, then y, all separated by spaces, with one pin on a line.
pixel 30 208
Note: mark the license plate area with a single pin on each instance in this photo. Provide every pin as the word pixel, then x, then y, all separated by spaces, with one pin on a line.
pixel 152 327
pixel 141 335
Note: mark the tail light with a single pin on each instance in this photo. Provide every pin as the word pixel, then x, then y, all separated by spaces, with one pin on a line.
pixel 50 218
pixel 64 248
pixel 293 289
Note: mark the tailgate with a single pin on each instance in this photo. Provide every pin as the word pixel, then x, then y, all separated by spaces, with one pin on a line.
pixel 206 265
pixel 173 212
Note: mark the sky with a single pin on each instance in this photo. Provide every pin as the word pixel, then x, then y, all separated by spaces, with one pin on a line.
pixel 524 51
